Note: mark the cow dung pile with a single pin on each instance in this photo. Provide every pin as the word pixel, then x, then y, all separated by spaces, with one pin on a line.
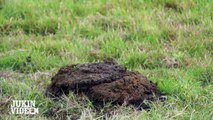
pixel 103 82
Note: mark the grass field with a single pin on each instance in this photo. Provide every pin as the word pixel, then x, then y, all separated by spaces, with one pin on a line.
pixel 169 41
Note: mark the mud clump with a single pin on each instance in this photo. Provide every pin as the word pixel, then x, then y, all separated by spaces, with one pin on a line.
pixel 103 82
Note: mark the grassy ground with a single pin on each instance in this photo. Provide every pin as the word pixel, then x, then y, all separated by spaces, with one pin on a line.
pixel 169 41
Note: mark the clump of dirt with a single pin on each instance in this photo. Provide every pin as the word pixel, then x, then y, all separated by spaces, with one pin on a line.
pixel 103 82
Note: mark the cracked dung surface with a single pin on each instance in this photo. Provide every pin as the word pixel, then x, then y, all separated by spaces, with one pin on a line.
pixel 103 82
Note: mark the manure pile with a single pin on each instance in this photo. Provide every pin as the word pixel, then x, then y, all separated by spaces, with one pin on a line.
pixel 103 82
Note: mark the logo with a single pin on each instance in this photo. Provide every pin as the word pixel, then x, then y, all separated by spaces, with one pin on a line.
pixel 26 107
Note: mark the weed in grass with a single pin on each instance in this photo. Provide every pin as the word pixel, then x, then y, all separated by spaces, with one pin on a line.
pixel 113 47
pixel 206 77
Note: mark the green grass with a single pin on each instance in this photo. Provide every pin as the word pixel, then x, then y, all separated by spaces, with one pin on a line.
pixel 169 41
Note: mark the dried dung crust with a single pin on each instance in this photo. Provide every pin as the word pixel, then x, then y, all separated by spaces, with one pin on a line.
pixel 103 82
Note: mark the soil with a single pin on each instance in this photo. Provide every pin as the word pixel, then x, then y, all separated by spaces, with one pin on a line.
pixel 103 82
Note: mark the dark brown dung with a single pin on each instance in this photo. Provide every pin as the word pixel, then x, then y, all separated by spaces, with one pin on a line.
pixel 103 82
